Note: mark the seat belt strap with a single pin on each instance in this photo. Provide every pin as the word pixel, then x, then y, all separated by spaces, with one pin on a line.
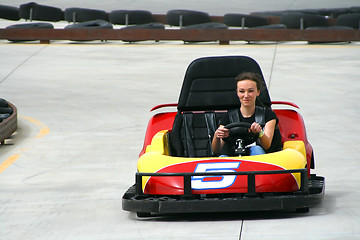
pixel 234 115
pixel 210 126
pixel 187 135
pixel 260 115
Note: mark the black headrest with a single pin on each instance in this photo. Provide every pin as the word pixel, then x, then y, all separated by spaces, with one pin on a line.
pixel 210 84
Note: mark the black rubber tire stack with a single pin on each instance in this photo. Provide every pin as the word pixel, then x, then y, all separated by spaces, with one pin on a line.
pixel 293 20
pixel 237 20
pixel 186 17
pixel 36 25
pixel 130 17
pixel 5 110
pixel 84 15
pixel 9 12
pixel 40 12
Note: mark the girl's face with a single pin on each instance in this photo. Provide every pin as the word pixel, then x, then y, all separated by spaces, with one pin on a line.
pixel 247 92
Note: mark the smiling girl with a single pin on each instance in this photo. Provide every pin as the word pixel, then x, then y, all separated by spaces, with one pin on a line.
pixel 248 89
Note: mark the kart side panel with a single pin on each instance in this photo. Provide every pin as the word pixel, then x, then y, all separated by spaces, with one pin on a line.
pixel 158 122
pixel 292 127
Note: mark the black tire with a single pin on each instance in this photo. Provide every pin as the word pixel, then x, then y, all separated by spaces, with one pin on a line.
pixel 9 12
pixel 4 116
pixel 355 9
pixel 349 20
pixel 236 20
pixel 40 12
pixel 271 26
pixel 84 15
pixel 31 25
pixel 4 110
pixel 24 10
pixel 268 13
pixel 146 26
pixel 95 24
pixel 134 17
pixel 210 25
pixel 189 17
pixel 293 20
pixel 324 12
pixel 336 12
pixel 3 103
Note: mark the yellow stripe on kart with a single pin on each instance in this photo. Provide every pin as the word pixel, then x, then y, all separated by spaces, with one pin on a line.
pixel 293 156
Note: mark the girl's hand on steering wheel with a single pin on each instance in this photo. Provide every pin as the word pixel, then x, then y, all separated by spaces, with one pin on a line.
pixel 222 132
pixel 255 127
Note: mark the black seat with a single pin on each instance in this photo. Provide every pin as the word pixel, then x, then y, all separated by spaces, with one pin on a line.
pixel 208 91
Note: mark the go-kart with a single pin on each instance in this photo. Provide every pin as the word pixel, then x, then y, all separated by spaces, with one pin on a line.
pixel 177 172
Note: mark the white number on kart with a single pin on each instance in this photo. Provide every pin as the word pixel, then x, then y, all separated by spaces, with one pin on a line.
pixel 214 182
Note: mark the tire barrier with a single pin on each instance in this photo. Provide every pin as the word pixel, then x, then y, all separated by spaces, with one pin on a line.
pixel 292 19
pixel 349 20
pixel 33 11
pixel 28 26
pixel 94 24
pixel 9 12
pixel 186 17
pixel 303 20
pixel 326 12
pixel 84 15
pixel 8 120
pixel 129 17
pixel 209 25
pixel 244 20
pixel 328 28
pixel 143 26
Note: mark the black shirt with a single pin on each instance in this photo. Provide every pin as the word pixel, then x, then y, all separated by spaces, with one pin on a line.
pixel 229 146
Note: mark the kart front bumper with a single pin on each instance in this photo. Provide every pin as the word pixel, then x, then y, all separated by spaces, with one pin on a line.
pixel 311 193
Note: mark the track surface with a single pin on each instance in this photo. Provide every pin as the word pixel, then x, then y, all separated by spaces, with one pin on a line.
pixel 83 112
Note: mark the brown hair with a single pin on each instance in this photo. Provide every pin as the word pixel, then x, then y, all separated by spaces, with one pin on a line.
pixel 251 76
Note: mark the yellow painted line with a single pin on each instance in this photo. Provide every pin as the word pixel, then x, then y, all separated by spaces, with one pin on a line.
pixel 44 130
pixel 10 160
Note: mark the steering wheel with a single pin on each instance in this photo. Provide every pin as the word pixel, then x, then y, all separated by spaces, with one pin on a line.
pixel 241 130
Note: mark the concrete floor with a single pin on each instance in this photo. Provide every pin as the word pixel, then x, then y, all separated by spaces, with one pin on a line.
pixel 83 110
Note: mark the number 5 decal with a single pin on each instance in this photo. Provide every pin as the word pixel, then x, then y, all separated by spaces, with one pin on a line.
pixel 214 182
